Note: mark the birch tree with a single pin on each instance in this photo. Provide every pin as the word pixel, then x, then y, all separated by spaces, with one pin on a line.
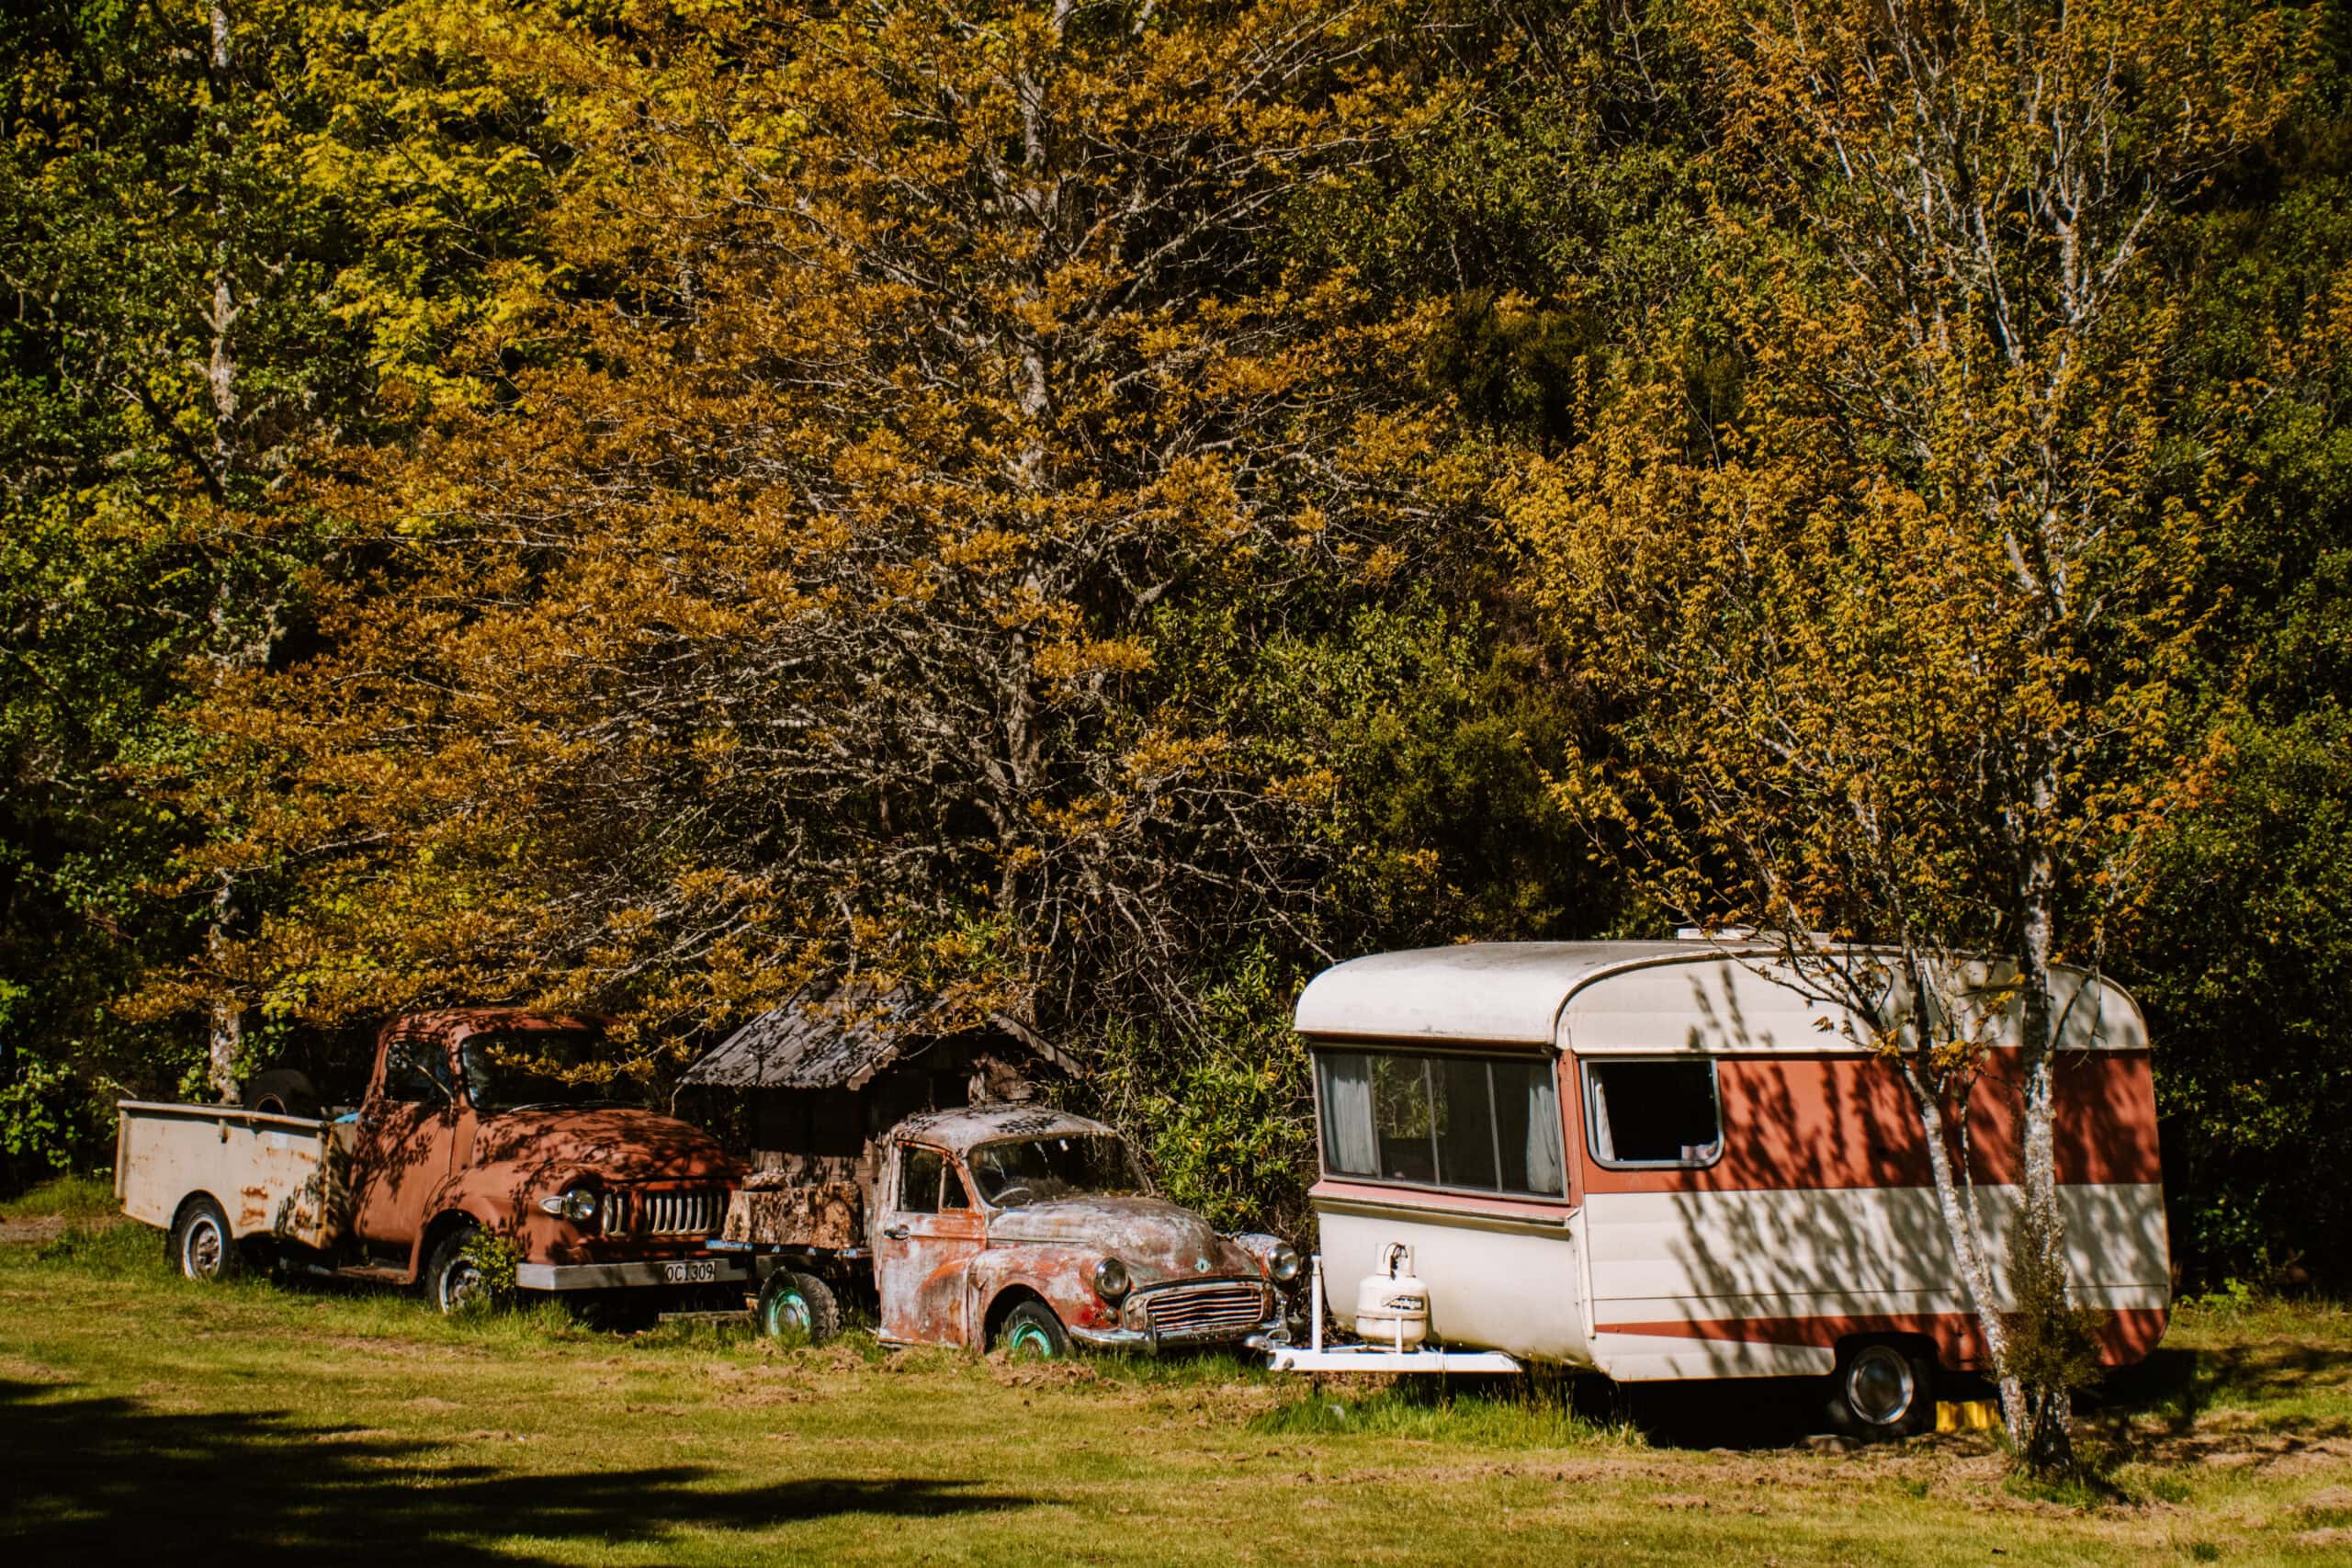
pixel 1896 650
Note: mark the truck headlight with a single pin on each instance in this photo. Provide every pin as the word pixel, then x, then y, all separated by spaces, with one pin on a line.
pixel 1111 1281
pixel 577 1203
pixel 1283 1263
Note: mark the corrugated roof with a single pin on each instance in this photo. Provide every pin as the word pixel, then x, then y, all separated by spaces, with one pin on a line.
pixel 837 1040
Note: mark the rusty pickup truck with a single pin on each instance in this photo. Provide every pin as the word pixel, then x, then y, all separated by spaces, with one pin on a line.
pixel 1013 1226
pixel 472 1122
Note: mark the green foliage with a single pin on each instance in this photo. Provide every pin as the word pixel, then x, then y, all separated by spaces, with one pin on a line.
pixel 497 1256
pixel 1225 1109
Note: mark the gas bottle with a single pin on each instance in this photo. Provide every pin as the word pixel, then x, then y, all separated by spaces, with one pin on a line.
pixel 1393 1306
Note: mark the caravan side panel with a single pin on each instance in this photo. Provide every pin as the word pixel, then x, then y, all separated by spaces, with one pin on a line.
pixel 1818 1221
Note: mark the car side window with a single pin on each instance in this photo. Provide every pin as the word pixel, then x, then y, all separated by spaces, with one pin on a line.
pixel 919 1170
pixel 951 1190
pixel 415 1072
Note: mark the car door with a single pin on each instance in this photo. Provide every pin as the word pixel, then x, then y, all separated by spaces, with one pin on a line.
pixel 930 1232
pixel 408 1138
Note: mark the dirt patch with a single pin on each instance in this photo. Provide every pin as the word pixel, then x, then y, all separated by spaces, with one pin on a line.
pixel 48 1227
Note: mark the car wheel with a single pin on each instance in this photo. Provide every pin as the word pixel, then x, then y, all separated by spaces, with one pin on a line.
pixel 1883 1391
pixel 202 1248
pixel 1031 1332
pixel 452 1279
pixel 798 1309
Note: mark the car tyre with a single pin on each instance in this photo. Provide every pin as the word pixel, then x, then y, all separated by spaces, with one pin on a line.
pixel 452 1280
pixel 1030 1331
pixel 1882 1390
pixel 203 1247
pixel 282 1091
pixel 797 1308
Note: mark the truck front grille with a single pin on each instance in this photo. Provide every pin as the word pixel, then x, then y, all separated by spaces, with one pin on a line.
pixel 694 1211
pixel 1224 1310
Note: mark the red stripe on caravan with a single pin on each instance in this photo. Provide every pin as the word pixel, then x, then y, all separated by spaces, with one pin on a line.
pixel 1823 1121
pixel 2124 1336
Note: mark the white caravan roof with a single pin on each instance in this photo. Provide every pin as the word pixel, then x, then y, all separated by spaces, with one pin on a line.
pixel 1639 998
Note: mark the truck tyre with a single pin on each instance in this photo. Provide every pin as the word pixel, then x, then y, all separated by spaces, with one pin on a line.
pixel 282 1091
pixel 1883 1391
pixel 1030 1331
pixel 798 1309
pixel 452 1278
pixel 202 1248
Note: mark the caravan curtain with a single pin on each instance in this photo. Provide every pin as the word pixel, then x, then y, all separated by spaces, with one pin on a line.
pixel 1351 1145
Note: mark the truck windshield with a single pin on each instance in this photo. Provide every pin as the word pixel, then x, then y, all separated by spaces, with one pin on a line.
pixel 1034 1170
pixel 515 1069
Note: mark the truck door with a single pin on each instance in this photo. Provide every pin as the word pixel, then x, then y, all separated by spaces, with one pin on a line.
pixel 930 1234
pixel 407 1140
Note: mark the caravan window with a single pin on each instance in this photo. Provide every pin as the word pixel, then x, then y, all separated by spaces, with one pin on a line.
pixel 1654 1113
pixel 1487 1123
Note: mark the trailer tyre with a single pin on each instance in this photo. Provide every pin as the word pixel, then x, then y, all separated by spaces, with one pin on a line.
pixel 1883 1391
pixel 798 1308
pixel 202 1248
pixel 1032 1331
pixel 453 1281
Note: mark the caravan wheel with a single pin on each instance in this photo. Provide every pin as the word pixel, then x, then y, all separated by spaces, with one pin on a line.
pixel 1884 1391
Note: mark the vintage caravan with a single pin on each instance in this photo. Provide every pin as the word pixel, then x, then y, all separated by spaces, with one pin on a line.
pixel 1659 1161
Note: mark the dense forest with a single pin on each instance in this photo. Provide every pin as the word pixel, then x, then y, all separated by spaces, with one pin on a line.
pixel 1100 510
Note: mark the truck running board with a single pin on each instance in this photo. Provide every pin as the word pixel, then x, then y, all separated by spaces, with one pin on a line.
pixel 374 1273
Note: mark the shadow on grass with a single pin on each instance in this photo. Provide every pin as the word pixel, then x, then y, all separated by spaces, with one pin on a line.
pixel 96 1479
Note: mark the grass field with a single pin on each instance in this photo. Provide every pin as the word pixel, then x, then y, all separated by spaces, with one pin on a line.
pixel 143 1415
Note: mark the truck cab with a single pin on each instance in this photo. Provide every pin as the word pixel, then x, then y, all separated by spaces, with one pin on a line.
pixel 473 1118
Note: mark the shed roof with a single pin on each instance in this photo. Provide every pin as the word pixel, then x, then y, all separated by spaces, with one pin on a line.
pixel 1650 996
pixel 839 1040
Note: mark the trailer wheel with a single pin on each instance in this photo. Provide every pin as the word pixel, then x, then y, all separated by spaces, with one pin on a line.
pixel 202 1248
pixel 797 1308
pixel 1032 1331
pixel 1883 1391
pixel 452 1280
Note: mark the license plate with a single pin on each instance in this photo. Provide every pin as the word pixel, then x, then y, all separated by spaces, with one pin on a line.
pixel 701 1273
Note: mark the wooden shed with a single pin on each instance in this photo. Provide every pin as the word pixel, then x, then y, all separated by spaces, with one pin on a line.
pixel 825 1075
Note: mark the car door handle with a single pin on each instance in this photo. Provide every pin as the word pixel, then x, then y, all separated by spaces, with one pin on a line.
pixel 896 1233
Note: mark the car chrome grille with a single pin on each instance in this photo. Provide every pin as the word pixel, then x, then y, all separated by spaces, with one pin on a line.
pixel 1228 1308
pixel 694 1211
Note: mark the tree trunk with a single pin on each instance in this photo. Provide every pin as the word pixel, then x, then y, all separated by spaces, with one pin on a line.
pixel 2039 1415
pixel 227 1031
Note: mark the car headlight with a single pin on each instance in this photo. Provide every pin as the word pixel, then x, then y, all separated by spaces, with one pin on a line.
pixel 1283 1263
pixel 577 1203
pixel 1111 1281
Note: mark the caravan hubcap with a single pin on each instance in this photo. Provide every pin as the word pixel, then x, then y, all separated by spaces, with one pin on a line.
pixel 1879 1385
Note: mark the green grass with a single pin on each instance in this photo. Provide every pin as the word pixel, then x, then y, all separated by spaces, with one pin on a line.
pixel 85 1198
pixel 258 1423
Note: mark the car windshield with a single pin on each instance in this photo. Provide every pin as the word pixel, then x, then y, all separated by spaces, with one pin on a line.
pixel 1032 1170
pixel 510 1070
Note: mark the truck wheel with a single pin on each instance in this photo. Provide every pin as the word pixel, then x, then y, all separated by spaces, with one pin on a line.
pixel 1883 1391
pixel 282 1091
pixel 1030 1331
pixel 202 1248
pixel 798 1309
pixel 451 1278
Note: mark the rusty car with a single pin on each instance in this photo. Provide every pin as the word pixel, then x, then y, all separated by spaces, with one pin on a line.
pixel 1013 1227
pixel 474 1121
